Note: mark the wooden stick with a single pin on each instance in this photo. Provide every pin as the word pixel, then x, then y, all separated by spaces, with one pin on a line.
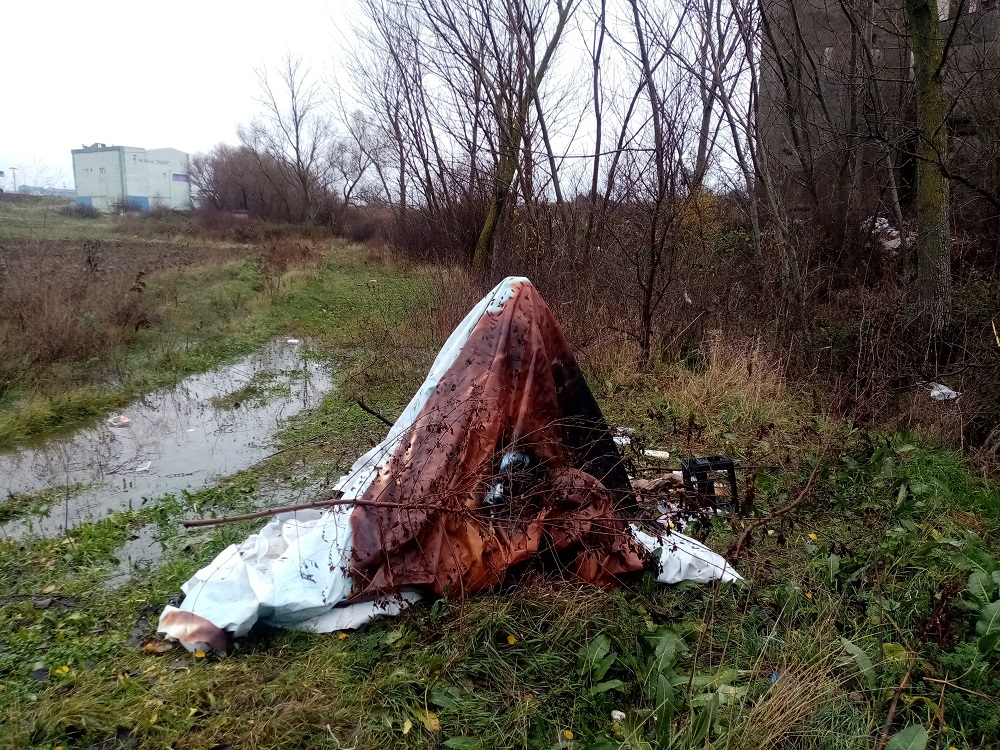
pixel 361 402
pixel 334 502
pixel 737 548
pixel 892 706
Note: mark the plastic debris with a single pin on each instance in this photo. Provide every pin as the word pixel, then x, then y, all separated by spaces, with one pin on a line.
pixel 514 461
pixel 662 455
pixel 143 467
pixel 617 715
pixel 942 392
pixel 293 341
pixel 622 440
pixel 119 421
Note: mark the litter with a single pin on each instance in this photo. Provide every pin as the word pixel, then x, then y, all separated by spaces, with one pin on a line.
pixel 143 467
pixel 293 341
pixel 119 421
pixel 942 392
pixel 661 455
pixel 622 436
pixel 502 453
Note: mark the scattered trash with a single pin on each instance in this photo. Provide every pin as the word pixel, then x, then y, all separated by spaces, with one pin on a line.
pixel 143 467
pixel 293 341
pixel 698 474
pixel 189 429
pixel 617 715
pixel 657 454
pixel 687 298
pixel 622 435
pixel 119 421
pixel 514 461
pixel 942 392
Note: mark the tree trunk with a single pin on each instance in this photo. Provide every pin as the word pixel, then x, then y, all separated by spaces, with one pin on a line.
pixel 932 199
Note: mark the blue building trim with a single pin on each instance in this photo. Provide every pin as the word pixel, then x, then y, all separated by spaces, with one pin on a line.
pixel 138 202
pixel 84 200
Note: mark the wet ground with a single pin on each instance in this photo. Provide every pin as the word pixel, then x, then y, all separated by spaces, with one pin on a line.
pixel 209 426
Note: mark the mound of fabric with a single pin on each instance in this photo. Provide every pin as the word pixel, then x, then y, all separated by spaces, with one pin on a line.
pixel 500 461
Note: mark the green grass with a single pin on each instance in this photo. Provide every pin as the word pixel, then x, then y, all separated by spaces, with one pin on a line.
pixel 25 504
pixel 890 565
pixel 44 220
pixel 521 667
pixel 208 317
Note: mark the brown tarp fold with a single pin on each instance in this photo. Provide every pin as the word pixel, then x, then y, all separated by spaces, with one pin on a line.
pixel 514 387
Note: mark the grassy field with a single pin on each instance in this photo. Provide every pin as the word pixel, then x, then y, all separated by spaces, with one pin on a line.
pixel 93 316
pixel 870 616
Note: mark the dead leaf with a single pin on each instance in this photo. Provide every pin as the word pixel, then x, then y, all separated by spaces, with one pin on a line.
pixel 511 640
pixel 153 718
pixel 429 719
pixel 407 726
pixel 49 589
pixel 156 646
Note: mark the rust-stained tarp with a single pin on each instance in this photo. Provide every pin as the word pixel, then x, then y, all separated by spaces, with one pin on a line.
pixel 514 385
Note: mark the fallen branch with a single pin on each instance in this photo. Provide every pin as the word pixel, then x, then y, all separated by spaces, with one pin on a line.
pixel 361 402
pixel 892 706
pixel 334 502
pixel 744 537
pixel 958 687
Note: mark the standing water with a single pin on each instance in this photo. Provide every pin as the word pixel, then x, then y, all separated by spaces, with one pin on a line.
pixel 208 426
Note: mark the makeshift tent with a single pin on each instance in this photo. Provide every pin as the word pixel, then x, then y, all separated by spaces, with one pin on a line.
pixel 501 460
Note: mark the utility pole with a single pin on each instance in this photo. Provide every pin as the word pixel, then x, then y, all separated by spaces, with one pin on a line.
pixel 14 170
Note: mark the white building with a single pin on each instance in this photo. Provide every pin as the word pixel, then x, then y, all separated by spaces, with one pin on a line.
pixel 108 177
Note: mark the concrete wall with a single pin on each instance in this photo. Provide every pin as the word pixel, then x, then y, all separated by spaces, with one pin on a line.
pixel 109 175
pixel 825 57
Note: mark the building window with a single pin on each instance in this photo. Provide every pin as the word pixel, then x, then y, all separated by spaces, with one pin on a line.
pixel 101 170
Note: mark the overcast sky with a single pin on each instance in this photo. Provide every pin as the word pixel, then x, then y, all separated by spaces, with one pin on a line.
pixel 152 75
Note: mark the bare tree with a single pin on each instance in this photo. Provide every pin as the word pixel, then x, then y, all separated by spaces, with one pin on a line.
pixel 293 129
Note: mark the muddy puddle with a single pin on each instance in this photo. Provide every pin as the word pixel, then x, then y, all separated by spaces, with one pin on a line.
pixel 210 425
